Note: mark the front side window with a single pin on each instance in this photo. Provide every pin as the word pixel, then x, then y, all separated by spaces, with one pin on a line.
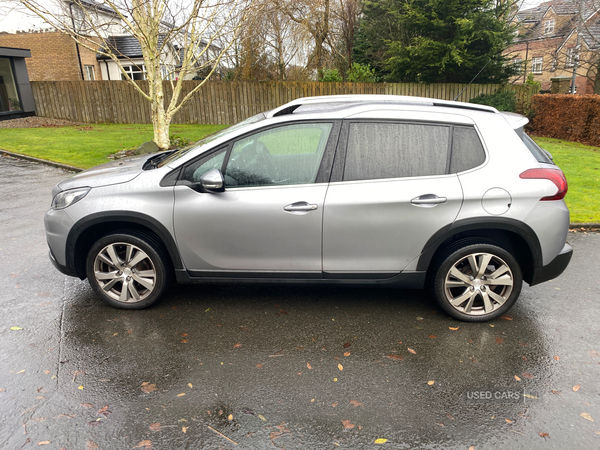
pixel 536 64
pixel 395 150
pixel 284 155
pixel 9 97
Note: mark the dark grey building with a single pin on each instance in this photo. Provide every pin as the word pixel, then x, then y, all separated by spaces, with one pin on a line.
pixel 16 98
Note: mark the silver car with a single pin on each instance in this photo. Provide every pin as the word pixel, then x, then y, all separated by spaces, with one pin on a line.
pixel 357 190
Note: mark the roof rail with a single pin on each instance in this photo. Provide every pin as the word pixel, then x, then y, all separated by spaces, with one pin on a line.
pixel 290 107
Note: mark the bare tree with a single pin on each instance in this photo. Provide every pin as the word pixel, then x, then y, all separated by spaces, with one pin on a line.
pixel 314 16
pixel 203 29
pixel 346 14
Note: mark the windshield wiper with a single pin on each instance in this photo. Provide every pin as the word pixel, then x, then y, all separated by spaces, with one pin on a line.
pixel 153 162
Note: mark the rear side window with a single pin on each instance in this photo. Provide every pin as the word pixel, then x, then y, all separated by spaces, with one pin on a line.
pixel 396 150
pixel 467 151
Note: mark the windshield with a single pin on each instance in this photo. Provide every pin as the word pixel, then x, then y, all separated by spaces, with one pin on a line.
pixel 211 137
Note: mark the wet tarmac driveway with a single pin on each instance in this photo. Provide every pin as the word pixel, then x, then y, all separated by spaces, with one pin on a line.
pixel 284 366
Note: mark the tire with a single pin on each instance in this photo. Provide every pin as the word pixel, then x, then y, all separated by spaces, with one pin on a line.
pixel 471 293
pixel 128 269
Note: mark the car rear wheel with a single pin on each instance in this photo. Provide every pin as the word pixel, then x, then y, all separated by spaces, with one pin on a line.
pixel 477 282
pixel 127 270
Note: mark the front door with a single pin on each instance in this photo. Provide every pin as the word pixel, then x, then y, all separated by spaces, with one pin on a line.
pixel 269 218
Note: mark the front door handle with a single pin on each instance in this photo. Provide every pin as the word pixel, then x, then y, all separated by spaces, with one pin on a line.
pixel 300 207
pixel 428 200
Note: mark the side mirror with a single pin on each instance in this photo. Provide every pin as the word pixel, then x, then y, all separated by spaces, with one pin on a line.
pixel 212 181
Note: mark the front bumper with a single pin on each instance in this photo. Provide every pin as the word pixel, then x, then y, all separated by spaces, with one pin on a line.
pixel 64 269
pixel 554 268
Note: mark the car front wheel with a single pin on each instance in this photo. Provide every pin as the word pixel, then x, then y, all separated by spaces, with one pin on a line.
pixel 477 282
pixel 127 270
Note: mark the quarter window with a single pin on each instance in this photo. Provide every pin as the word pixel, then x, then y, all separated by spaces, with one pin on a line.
pixel 395 150
pixel 467 151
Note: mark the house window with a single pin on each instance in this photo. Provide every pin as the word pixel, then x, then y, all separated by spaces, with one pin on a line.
pixel 167 73
pixel 9 97
pixel 536 64
pixel 571 57
pixel 549 26
pixel 518 65
pixel 135 72
pixel 89 73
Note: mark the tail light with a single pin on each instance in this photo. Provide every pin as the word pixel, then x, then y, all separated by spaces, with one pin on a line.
pixel 554 175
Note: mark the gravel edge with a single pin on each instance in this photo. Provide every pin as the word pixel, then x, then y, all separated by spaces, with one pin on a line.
pixel 581 226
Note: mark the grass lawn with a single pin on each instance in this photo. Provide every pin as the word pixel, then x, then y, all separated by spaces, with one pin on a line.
pixel 581 165
pixel 88 145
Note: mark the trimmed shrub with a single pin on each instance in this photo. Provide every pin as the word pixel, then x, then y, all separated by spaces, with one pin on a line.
pixel 568 117
pixel 501 100
pixel 330 76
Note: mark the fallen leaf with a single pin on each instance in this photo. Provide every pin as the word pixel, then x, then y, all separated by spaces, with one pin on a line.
pixel 184 429
pixel 594 353
pixel 334 404
pixel 576 387
pixel 554 391
pixel 17 329
pixel 528 375
pixel 508 420
pixel 454 328
pixel 432 336
pixel 542 434
pixel 517 378
pixel 190 385
pixel 557 358
pixel 308 365
pixel 80 388
pixel 499 340
pixel 441 424
pixel 430 382
pixel 91 445
pixel 335 380
pixel 506 318
pixel 43 442
pixel 586 416
pixel 46 372
pixel 155 426
pixel 259 366
pixel 412 351
pixel 237 345
pixel 347 344
pixel 530 396
pixel 524 358
pixel 103 411
pixel 347 425
pixel 181 395
pixel 346 353
pixel 380 441
pixel 147 444
pixel 355 403
pixel 87 405
pixel 472 447
pixel 261 417
pixel 340 367
pixel 230 417
pixel 395 357
pixel 147 387
pixel 420 319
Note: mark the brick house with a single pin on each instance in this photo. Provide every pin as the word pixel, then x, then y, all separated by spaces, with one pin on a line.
pixel 54 56
pixel 547 44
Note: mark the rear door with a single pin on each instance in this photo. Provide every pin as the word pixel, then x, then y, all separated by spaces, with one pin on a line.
pixel 392 190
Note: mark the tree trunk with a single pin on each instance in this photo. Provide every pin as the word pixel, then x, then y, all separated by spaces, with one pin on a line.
pixel 160 121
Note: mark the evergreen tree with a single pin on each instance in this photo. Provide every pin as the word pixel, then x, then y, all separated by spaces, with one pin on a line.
pixel 435 41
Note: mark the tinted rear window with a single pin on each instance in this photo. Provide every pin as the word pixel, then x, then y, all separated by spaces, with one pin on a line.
pixel 538 153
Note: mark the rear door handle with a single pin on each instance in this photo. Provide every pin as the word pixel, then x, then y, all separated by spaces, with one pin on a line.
pixel 428 200
pixel 300 207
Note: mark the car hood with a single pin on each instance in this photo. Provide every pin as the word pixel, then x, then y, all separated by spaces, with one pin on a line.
pixel 120 171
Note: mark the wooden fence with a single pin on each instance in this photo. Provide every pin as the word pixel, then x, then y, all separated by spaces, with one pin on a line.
pixel 219 102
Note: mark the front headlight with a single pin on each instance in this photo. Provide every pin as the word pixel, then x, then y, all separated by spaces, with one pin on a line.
pixel 67 198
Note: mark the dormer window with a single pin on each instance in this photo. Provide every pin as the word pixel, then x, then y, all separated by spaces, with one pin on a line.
pixel 549 26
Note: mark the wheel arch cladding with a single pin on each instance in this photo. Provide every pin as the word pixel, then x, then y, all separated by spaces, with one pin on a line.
pixel 91 228
pixel 515 237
